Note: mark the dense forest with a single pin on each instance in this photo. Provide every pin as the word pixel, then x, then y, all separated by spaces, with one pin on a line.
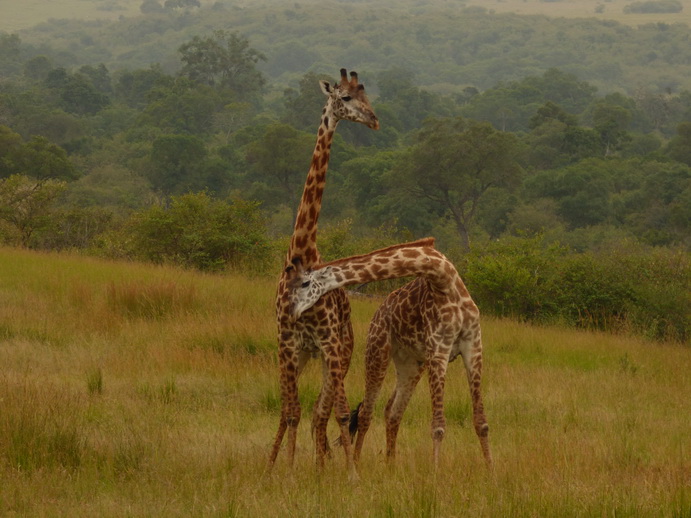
pixel 550 158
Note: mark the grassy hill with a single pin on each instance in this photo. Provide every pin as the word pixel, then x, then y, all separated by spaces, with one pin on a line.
pixel 21 14
pixel 128 389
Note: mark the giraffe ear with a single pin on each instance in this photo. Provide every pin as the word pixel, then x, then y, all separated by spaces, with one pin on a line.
pixel 326 87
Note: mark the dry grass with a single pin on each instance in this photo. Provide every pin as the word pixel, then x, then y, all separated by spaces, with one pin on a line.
pixel 170 410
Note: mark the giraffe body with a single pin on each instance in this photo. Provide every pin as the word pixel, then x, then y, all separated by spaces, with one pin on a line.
pixel 426 324
pixel 325 330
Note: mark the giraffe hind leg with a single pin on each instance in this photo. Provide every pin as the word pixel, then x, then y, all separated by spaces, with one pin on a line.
pixel 437 377
pixel 377 358
pixel 408 373
pixel 473 364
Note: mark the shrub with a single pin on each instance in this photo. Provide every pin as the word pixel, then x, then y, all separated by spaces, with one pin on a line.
pixel 629 288
pixel 196 231
pixel 514 277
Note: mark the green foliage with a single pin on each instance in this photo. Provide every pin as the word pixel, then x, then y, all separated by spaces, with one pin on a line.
pixel 630 289
pixel 197 231
pixel 512 106
pixel 280 159
pixel 175 163
pixel 77 92
pixel 27 206
pixel 455 161
pixel 38 158
pixel 181 106
pixel 224 60
pixel 679 147
pixel 73 228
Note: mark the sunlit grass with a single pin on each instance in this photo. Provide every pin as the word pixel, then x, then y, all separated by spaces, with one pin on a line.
pixel 170 410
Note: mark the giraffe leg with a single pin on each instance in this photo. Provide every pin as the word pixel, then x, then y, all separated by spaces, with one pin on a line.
pixel 472 359
pixel 291 364
pixel 408 373
pixel 321 414
pixel 325 401
pixel 377 357
pixel 333 397
pixel 437 377
pixel 283 424
pixel 342 411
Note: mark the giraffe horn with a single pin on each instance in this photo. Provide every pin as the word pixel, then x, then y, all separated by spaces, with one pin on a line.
pixel 344 76
pixel 353 79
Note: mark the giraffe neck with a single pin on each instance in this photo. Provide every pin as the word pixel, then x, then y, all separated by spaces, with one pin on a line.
pixel 303 243
pixel 418 258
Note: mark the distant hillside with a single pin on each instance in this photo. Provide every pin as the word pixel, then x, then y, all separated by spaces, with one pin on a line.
pixel 448 45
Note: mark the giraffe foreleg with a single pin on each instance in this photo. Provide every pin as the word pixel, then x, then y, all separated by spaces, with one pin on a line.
pixel 320 417
pixel 291 364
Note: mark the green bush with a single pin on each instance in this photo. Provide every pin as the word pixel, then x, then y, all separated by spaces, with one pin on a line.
pixel 514 278
pixel 196 231
pixel 630 288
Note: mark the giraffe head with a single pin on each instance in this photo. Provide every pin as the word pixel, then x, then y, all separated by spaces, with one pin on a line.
pixel 306 286
pixel 348 100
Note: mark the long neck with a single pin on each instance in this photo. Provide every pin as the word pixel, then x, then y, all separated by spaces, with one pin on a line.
pixel 418 258
pixel 303 243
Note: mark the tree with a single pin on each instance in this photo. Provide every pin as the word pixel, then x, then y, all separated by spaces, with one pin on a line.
pixel 454 162
pixel 151 6
pixel 224 60
pixel 10 50
pixel 26 204
pixel 611 122
pixel 175 162
pixel 133 87
pixel 39 158
pixel 679 147
pixel 181 4
pixel 304 106
pixel 281 158
pixel 182 107
pixel 76 92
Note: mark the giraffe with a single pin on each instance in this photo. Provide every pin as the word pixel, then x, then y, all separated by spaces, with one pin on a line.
pixel 425 324
pixel 325 330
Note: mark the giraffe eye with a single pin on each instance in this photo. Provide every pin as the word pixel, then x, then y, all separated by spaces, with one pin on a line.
pixel 306 284
pixel 346 98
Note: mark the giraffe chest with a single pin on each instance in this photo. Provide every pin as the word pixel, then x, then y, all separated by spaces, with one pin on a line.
pixel 323 323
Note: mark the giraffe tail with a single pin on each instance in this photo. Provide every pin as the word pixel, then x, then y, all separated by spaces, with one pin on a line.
pixel 352 425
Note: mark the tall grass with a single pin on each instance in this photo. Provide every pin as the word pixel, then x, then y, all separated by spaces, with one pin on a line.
pixel 110 411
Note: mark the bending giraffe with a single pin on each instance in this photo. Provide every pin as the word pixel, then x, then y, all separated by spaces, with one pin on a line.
pixel 425 324
pixel 325 329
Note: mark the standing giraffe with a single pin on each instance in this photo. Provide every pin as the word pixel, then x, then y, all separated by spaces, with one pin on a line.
pixel 326 328
pixel 425 324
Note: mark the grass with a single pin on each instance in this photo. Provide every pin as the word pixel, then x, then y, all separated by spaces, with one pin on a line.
pixel 171 411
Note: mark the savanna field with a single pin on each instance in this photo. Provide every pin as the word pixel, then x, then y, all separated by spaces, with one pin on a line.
pixel 134 390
